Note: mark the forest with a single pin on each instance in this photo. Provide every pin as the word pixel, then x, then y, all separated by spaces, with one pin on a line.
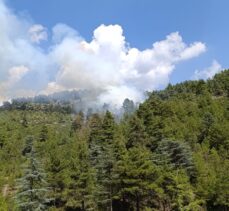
pixel 169 153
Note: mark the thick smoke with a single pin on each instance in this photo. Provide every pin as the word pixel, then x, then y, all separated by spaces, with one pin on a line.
pixel 106 64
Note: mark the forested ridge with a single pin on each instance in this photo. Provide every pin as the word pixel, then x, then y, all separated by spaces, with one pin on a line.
pixel 171 153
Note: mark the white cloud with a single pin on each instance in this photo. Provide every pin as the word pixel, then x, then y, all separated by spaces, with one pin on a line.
pixel 208 72
pixel 106 64
pixel 194 50
pixel 37 33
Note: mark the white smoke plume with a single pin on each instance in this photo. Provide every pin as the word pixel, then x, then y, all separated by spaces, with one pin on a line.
pixel 37 33
pixel 106 64
pixel 208 72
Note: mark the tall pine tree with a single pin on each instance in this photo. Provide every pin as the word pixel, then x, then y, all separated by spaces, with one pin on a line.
pixel 32 187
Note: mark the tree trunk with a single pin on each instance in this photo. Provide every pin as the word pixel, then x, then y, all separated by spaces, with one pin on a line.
pixel 137 204
pixel 123 203
pixel 111 205
pixel 83 206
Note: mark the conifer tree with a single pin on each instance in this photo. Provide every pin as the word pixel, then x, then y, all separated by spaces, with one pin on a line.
pixel 32 187
pixel 136 178
pixel 102 156
pixel 175 154
pixel 77 123
pixel 106 161
pixel 177 192
pixel 137 135
pixel 81 179
pixel 57 169
pixel 128 107
pixel 95 125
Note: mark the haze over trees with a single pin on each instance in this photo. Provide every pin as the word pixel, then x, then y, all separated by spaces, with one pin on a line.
pixel 170 153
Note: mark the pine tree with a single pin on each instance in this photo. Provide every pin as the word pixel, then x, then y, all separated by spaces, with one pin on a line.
pixel 128 107
pixel 106 161
pixel 81 178
pixel 207 122
pixel 102 156
pixel 137 135
pixel 77 123
pixel 136 178
pixel 177 192
pixel 175 154
pixel 57 174
pixel 95 125
pixel 32 187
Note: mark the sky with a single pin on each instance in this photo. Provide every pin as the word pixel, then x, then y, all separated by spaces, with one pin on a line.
pixel 119 48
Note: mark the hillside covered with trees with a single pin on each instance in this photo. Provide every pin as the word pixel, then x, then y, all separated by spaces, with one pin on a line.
pixel 172 153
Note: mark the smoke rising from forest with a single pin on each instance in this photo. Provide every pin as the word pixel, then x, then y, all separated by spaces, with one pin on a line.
pixel 37 60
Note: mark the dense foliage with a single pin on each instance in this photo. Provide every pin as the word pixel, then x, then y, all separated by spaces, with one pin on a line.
pixel 172 153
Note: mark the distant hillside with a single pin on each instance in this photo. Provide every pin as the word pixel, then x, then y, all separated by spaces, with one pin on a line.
pixel 65 101
pixel 68 102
